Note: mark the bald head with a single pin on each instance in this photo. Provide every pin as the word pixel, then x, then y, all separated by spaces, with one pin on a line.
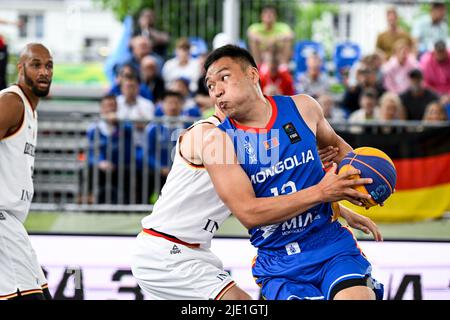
pixel 35 69
pixel 32 49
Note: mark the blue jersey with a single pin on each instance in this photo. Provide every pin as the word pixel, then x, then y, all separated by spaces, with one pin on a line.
pixel 281 159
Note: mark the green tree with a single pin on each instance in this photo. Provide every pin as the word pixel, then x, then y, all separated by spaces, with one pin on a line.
pixel 307 14
pixel 199 17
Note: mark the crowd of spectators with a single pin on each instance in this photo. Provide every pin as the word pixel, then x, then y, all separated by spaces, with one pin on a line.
pixel 407 77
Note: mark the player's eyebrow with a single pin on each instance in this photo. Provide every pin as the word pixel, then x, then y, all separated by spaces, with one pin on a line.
pixel 217 72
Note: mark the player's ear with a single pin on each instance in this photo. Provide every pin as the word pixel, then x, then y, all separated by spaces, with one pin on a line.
pixel 254 74
pixel 20 65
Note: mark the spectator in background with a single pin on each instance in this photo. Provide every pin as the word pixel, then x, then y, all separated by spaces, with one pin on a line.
pixel 429 29
pixel 128 71
pixel 330 110
pixel 202 98
pixel 368 109
pixel 269 34
pixel 373 61
pixel 416 97
pixel 366 78
pixel 161 139
pixel 4 53
pixel 189 107
pixel 435 66
pixel 275 78
pixel 146 27
pixel 132 106
pixel 397 68
pixel 141 47
pixel 103 153
pixel 151 78
pixel 182 65
pixel 139 111
pixel 391 107
pixel 435 112
pixel 313 82
pixel 387 39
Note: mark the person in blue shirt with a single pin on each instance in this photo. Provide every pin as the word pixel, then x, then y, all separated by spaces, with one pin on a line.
pixel 127 71
pixel 106 153
pixel 161 139
pixel 272 179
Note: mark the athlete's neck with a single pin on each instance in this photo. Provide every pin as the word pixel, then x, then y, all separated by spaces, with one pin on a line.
pixel 258 113
pixel 31 97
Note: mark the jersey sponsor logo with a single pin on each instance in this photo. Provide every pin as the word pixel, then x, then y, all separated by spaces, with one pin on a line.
pixel 175 249
pixel 298 224
pixel 291 132
pixel 269 230
pixel 29 149
pixel 281 166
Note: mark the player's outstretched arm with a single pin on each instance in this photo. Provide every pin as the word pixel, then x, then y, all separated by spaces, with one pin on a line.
pixel 234 187
pixel 11 114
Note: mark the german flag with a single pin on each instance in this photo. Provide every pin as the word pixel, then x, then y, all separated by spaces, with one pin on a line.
pixel 422 161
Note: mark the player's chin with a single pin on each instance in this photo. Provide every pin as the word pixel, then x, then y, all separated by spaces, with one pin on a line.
pixel 41 92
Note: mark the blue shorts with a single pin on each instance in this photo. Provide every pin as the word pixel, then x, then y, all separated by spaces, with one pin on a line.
pixel 317 268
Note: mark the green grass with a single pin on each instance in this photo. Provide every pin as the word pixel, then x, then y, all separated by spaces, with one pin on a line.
pixel 130 224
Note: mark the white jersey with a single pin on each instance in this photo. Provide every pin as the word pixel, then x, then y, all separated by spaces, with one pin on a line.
pixel 17 162
pixel 188 207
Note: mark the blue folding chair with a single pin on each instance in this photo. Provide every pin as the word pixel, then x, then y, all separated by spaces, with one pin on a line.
pixel 302 50
pixel 198 46
pixel 345 55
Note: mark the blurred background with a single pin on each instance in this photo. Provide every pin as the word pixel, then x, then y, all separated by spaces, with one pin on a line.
pixel 128 79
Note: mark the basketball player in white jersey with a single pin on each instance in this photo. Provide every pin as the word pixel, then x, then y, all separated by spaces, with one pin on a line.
pixel 21 276
pixel 171 259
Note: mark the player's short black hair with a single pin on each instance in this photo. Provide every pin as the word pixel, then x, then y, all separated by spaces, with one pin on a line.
pixel 231 51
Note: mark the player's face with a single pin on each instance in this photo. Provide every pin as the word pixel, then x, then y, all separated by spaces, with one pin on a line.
pixel 230 86
pixel 36 72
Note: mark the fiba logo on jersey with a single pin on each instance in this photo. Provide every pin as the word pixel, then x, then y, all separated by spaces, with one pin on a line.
pixel 292 132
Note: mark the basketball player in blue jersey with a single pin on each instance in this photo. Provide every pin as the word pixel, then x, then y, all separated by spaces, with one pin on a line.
pixel 283 195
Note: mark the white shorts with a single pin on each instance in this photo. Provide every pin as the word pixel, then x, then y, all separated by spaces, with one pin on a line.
pixel 171 271
pixel 19 267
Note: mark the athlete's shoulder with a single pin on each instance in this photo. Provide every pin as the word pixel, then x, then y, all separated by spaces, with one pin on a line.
pixel 203 126
pixel 308 106
pixel 200 135
pixel 10 99
pixel 12 111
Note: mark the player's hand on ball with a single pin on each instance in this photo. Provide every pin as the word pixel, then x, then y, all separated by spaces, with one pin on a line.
pixel 334 187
